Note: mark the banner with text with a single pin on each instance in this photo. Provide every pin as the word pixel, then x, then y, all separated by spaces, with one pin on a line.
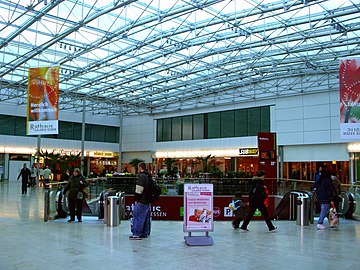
pixel 349 81
pixel 43 98
pixel 198 207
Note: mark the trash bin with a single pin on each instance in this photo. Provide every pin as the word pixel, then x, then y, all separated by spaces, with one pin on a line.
pixel 303 210
pixel 112 205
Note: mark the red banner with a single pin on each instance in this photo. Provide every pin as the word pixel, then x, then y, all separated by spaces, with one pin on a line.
pixel 349 81
pixel 171 208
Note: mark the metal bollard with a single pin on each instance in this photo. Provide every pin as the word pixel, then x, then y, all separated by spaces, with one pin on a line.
pixel 303 210
pixel 112 218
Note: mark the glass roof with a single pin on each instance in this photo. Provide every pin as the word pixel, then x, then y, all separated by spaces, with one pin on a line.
pixel 151 56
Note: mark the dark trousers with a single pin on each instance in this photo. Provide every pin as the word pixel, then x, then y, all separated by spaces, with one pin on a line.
pixel 32 181
pixel 75 204
pixel 262 208
pixel 236 222
pixel 24 184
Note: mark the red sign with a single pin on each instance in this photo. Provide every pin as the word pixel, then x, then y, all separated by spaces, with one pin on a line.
pixel 349 82
pixel 171 207
pixel 268 158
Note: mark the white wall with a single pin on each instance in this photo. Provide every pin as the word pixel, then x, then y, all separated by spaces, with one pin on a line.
pixel 306 125
pixel 95 119
pixel 138 133
pixel 319 152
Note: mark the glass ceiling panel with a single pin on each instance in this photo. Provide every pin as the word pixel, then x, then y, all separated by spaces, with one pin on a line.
pixel 174 52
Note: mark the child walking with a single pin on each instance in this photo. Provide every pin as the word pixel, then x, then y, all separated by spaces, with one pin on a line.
pixel 239 209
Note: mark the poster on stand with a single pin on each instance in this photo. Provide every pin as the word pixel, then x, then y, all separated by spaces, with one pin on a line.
pixel 349 82
pixel 198 207
pixel 43 98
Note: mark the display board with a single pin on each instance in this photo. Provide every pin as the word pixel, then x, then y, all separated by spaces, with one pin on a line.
pixel 349 82
pixel 198 208
pixel 43 98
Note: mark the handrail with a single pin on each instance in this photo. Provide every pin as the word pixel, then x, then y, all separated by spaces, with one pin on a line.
pixel 49 185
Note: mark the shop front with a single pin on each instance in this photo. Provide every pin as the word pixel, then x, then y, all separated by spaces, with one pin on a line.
pixel 102 163
pixel 234 162
pixel 12 160
pixel 300 162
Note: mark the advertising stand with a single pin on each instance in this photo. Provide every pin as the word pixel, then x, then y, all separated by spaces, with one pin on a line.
pixel 198 213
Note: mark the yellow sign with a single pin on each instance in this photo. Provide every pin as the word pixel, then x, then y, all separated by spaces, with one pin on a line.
pixel 103 154
pixel 248 151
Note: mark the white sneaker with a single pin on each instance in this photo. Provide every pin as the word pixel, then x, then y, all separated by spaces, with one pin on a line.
pixel 320 227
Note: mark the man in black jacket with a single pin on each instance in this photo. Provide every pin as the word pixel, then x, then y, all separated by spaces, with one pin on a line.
pixel 257 197
pixel 25 178
pixel 141 208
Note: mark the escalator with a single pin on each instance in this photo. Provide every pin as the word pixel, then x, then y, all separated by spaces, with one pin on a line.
pixel 285 209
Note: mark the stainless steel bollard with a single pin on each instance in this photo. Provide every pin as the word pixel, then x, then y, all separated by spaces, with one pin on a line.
pixel 303 210
pixel 112 205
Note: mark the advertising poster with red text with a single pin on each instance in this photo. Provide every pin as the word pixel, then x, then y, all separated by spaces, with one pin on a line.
pixel 349 81
pixel 198 207
pixel 43 98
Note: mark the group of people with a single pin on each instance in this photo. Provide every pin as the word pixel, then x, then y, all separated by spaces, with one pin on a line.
pixel 75 186
pixel 29 176
pixel 326 190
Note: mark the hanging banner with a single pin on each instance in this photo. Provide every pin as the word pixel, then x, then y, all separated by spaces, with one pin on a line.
pixel 198 207
pixel 349 76
pixel 43 98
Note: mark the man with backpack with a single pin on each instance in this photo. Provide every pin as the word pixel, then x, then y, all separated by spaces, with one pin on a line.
pixel 141 208
pixel 257 198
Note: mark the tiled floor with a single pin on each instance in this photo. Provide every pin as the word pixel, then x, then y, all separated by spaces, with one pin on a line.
pixel 27 242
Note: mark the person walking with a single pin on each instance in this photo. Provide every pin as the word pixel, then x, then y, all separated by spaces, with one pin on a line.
pixel 75 186
pixel 47 176
pixel 141 209
pixel 33 175
pixel 25 178
pixel 257 197
pixel 325 196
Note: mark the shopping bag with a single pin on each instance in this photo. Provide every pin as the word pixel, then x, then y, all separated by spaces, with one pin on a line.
pixel 333 217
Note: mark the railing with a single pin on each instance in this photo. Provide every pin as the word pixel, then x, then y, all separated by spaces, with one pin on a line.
pixel 174 186
pixel 50 192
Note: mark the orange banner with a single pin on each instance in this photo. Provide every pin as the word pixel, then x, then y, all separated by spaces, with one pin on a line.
pixel 43 99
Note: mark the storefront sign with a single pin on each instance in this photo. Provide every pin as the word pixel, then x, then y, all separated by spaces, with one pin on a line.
pixel 43 99
pixel 349 81
pixel 248 151
pixel 102 154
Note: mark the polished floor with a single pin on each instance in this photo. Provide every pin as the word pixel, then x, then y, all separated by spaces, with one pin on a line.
pixel 27 242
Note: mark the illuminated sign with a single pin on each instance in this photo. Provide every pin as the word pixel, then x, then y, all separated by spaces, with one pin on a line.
pixel 102 154
pixel 248 151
